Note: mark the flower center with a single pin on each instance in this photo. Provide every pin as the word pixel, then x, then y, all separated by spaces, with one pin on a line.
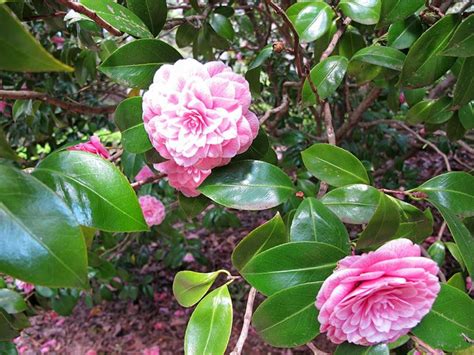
pixel 194 121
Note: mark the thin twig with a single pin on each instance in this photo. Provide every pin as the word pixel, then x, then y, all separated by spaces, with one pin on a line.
pixel 466 146
pixel 282 107
pixel 335 38
pixel 441 231
pixel 136 185
pixel 328 122
pixel 315 350
pixel 442 86
pixel 68 106
pixel 245 327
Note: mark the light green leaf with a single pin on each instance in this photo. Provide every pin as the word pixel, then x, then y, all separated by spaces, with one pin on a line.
pixel 311 19
pixel 366 12
pixel 190 286
pixel 386 57
pixel 430 111
pixel 11 301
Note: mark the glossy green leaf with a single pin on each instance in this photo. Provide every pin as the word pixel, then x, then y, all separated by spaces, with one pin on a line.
pixel 298 263
pixel 464 89
pixel 453 190
pixel 311 19
pixel 457 280
pixel 253 72
pixel 350 42
pixel 152 12
pixel 454 250
pixel 119 17
pixel 266 236
pixel 437 252
pixel 354 203
pixel 322 43
pixel 222 26
pixel 430 111
pixel 397 10
pixel 386 57
pixel 366 12
pixel 21 52
pixel 11 301
pixel 334 165
pixel 95 190
pixel 382 226
pixel 353 349
pixel 452 313
pixel 135 63
pixel 248 185
pixel 41 241
pixel 315 222
pixel 326 76
pixel 466 115
pixel 192 206
pixel 423 64
pixel 414 224
pixel 128 118
pixel 288 318
pixel 462 42
pixel 403 34
pixel 190 286
pixel 258 149
pixel 209 327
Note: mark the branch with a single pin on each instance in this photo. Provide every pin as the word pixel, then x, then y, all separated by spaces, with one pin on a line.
pixel 68 106
pixel 315 350
pixel 137 184
pixel 245 327
pixel 282 107
pixel 442 86
pixel 335 38
pixel 92 15
pixel 328 122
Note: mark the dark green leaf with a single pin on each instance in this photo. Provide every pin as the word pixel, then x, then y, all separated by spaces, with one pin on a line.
pixel 64 304
pixel 288 318
pixel 128 118
pixel 185 35
pixel 451 312
pixel 464 89
pixel 152 12
pixel 403 34
pixel 7 330
pixel 386 57
pixel 258 149
pixel 326 76
pixel 353 349
pixel 315 222
pixel 96 191
pixel 222 26
pixel 248 185
pixel 366 12
pixel 455 130
pixel 298 263
pixel 7 348
pixel 6 151
pixel 254 69
pixel 466 115
pixel 21 52
pixel 454 250
pixel 192 206
pixel 350 42
pixel 135 63
pixel 430 111
pixel 336 166
pixel 41 241
pixel 311 19
pixel 414 224
pixel 209 328
pixel 397 10
pixel 11 301
pixel 190 286
pixel 462 42
pixel 423 64
pixel 266 236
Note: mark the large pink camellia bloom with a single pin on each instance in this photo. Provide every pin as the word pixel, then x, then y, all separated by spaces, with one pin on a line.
pixel 153 210
pixel 378 297
pixel 93 146
pixel 183 179
pixel 198 114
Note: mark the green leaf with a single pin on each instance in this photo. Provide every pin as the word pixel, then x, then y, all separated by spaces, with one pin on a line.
pixel 423 64
pixel 386 57
pixel 366 12
pixel 288 318
pixel 209 328
pixel 403 34
pixel 461 235
pixel 326 76
pixel 135 63
pixel 222 26
pixel 64 303
pixel 152 12
pixel 21 52
pixel 353 349
pixel 397 10
pixel 354 203
pixel 311 19
pixel 457 280
pixel 95 190
pixel 430 111
pixel 41 241
pixel 266 236
pixel 119 17
pixel 452 313
pixel 192 206
pixel 315 222
pixel 437 252
pixel 248 185
pixel 7 329
pixel 454 250
pixel 253 72
pixel 462 42
pixel 382 226
pixel 190 286
pixel 7 348
pixel 6 151
pixel 464 89
pixel 258 149
pixel 11 301
pixel 128 118
pixel 453 190
pixel 350 42
pixel 466 115
pixel 185 35
pixel 414 224
pixel 298 263
pixel 455 130
pixel 336 166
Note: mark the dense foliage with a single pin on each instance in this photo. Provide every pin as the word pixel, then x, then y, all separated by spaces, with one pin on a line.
pixel 313 115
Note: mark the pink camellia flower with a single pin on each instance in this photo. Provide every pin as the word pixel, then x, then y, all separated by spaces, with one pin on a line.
pixel 3 106
pixel 153 209
pixel 198 114
pixel 24 286
pixel 144 173
pixel 58 41
pixel 154 350
pixel 93 146
pixel 183 179
pixel 377 297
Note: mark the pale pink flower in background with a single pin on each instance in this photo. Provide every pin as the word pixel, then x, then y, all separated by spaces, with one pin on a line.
pixel 402 98
pixel 198 114
pixel 153 210
pixel 93 146
pixel 186 180
pixel 58 41
pixel 3 106
pixel 91 352
pixel 24 286
pixel 154 350
pixel 48 346
pixel 377 297
pixel 144 173
pixel 189 258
